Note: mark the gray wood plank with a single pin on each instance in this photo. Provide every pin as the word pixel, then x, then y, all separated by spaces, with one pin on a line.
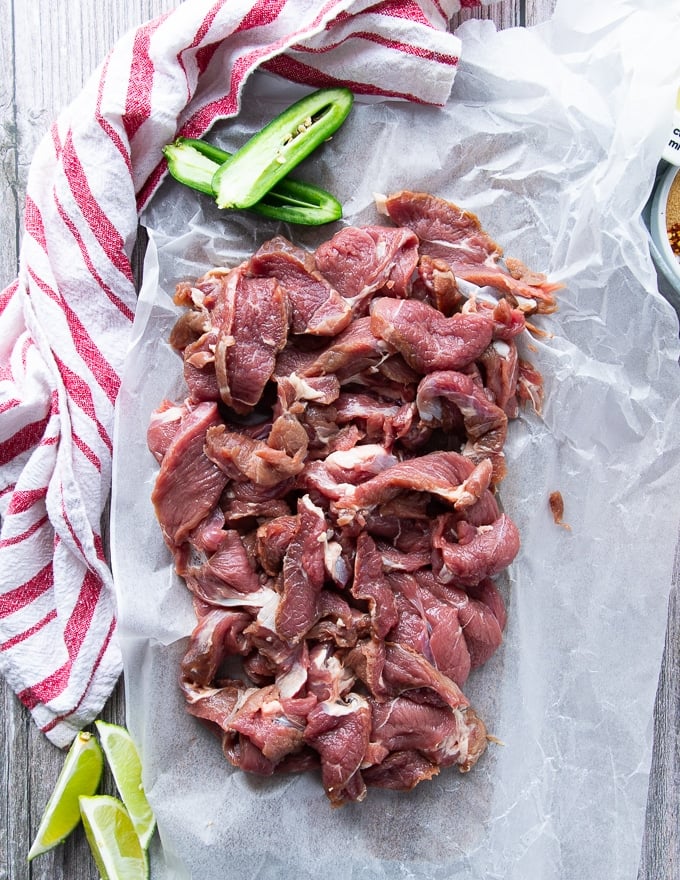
pixel 537 11
pixel 661 847
pixel 8 149
pixel 507 13
pixel 34 84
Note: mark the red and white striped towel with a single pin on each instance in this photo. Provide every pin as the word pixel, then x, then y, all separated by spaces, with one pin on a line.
pixel 64 323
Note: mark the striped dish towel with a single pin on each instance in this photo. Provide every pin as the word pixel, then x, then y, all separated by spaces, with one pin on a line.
pixel 65 322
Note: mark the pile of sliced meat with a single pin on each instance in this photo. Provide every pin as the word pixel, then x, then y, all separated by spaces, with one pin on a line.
pixel 328 492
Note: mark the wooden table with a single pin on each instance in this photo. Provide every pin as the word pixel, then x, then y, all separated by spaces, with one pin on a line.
pixel 48 50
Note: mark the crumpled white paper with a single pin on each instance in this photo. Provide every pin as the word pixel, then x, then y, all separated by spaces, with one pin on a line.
pixel 551 136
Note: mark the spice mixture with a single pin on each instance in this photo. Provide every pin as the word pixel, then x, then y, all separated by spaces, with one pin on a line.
pixel 673 215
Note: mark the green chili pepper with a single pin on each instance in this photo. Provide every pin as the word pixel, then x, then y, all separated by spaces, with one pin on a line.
pixel 194 163
pixel 244 178
pixel 190 166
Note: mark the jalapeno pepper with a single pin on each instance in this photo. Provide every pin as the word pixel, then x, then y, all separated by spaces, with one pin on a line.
pixel 194 163
pixel 243 179
pixel 190 165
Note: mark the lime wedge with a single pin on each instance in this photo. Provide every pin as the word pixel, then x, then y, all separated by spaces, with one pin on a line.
pixel 123 759
pixel 80 775
pixel 113 840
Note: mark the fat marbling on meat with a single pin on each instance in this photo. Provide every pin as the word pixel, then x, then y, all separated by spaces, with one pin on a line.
pixel 328 489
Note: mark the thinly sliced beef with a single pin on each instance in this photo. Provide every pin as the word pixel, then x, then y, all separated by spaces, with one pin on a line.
pixel 339 731
pixel 445 736
pixel 380 420
pixel 436 284
pixel 208 534
pixel 303 574
pixel 294 389
pixel 463 631
pixel 244 754
pixel 163 425
pixel 188 485
pixel 217 635
pixel 241 458
pixel 371 585
pixel 487 592
pixel 189 328
pixel 508 322
pixel 500 365
pixel 367 660
pixel 444 230
pixel 230 563
pixel 341 470
pixel 428 340
pixel 483 552
pixel 447 475
pixel 337 621
pixel 530 387
pixel 240 511
pixel 254 330
pixel 400 771
pixel 316 307
pixel 433 628
pixel 288 435
pixel 327 490
pixel 271 724
pixel 360 261
pixel 452 234
pixel 485 423
pixel 395 560
pixel 449 643
pixel 273 538
pixel 215 705
pixel 350 352
pixel 329 679
pixel 407 670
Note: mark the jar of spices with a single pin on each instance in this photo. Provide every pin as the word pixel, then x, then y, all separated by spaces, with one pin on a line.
pixel 664 227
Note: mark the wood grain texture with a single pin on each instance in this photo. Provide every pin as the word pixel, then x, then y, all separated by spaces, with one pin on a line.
pixel 507 13
pixel 48 51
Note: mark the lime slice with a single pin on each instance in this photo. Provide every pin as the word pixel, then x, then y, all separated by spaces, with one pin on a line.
pixel 123 758
pixel 113 840
pixel 80 775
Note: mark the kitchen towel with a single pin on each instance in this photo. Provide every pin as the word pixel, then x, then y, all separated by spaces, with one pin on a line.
pixel 65 321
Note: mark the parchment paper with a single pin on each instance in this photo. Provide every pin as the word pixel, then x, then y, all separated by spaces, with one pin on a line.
pixel 552 136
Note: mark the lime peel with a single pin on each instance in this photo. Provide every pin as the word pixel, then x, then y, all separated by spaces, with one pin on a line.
pixel 126 768
pixel 80 775
pixel 115 845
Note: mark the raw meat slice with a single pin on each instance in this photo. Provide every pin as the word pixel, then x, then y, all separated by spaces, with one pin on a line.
pixel 485 423
pixel 339 731
pixel 188 484
pixel 303 574
pixel 316 307
pixel 436 284
pixel 360 261
pixel 163 425
pixel 400 771
pixel 452 234
pixel 350 352
pixel 371 586
pixel 443 735
pixel 485 552
pixel 425 338
pixel 448 475
pixel 253 331
pixel 269 723
pixel 241 458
